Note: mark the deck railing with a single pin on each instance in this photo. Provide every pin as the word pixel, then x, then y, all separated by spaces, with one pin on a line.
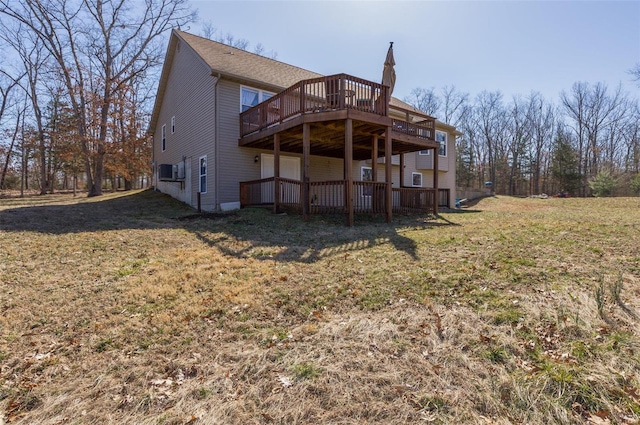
pixel 328 197
pixel 407 200
pixel 320 94
pixel 423 129
pixel 444 198
pixel 368 197
pixel 262 192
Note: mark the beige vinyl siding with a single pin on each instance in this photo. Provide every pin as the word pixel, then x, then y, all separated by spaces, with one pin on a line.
pixel 324 168
pixel 235 164
pixel 424 162
pixel 410 167
pixel 189 96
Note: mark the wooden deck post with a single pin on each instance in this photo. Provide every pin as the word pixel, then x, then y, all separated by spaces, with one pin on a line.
pixel 374 174
pixel 401 170
pixel 387 173
pixel 348 169
pixel 436 153
pixel 306 151
pixel 276 173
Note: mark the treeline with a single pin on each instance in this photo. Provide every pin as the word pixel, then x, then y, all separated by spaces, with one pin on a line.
pixel 77 82
pixel 586 143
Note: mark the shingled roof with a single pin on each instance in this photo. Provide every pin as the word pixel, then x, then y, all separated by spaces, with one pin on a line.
pixel 240 65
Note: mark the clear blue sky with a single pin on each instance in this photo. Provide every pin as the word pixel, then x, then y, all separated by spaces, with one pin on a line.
pixel 511 46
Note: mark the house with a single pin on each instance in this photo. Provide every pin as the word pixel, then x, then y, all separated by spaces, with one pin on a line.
pixel 232 129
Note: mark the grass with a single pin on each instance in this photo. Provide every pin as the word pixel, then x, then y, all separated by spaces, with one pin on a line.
pixel 129 308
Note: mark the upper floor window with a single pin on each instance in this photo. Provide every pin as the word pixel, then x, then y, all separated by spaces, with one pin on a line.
pixel 164 137
pixel 250 97
pixel 441 137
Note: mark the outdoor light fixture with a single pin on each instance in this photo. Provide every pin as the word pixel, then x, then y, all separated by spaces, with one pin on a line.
pixel 256 158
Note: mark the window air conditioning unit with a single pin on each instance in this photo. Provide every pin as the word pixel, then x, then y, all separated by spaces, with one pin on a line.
pixel 166 172
pixel 172 172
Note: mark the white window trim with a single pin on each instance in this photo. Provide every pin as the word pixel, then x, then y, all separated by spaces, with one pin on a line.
pixel 164 137
pixel 200 175
pixel 413 174
pixel 173 124
pixel 446 140
pixel 261 94
pixel 424 152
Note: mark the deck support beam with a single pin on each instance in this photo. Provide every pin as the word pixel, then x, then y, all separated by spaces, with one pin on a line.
pixel 306 151
pixel 276 173
pixel 374 173
pixel 348 169
pixel 387 174
pixel 402 170
pixel 436 153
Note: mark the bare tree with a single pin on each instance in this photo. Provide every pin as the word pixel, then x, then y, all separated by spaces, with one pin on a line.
pixel 12 135
pixel 98 45
pixel 424 100
pixel 541 118
pixel 490 115
pixel 453 105
pixel 635 72
pixel 591 110
pixel 259 49
pixel 33 58
pixel 208 30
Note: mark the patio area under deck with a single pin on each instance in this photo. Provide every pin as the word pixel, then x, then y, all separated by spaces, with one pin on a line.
pixel 341 117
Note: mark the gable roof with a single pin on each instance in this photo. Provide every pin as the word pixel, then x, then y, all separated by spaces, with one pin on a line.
pixel 246 66
pixel 239 65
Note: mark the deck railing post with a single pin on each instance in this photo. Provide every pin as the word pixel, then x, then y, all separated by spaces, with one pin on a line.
pixel 306 151
pixel 348 169
pixel 276 173
pixel 387 172
pixel 436 153
pixel 374 173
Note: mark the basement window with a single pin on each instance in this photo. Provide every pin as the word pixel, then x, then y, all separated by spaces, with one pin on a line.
pixel 416 179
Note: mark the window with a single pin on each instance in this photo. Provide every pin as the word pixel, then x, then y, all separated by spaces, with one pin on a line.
pixel 366 175
pixel 173 124
pixel 425 152
pixel 251 97
pixel 416 179
pixel 203 174
pixel 164 137
pixel 441 137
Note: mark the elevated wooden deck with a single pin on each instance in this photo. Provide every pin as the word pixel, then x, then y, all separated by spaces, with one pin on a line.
pixel 345 117
pixel 325 103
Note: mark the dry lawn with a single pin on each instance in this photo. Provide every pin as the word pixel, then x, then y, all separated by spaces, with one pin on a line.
pixel 127 309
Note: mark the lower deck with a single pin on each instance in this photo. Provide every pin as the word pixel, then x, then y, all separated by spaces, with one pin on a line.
pixel 330 197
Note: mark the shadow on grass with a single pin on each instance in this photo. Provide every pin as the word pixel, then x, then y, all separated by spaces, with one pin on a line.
pixel 62 215
pixel 249 233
